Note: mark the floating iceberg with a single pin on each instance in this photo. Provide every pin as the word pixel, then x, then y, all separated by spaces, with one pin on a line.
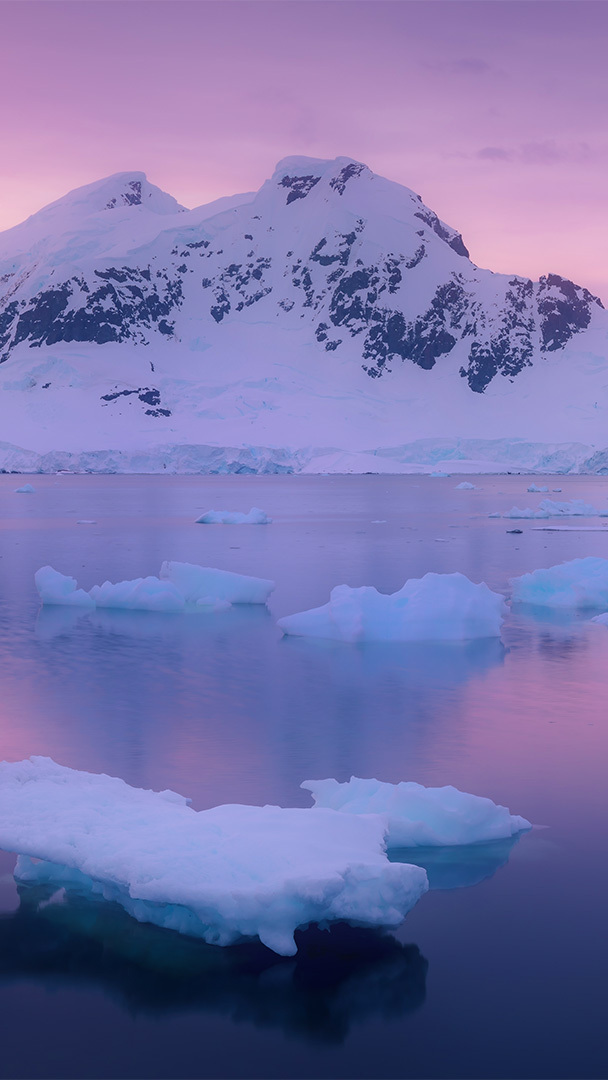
pixel 534 487
pixel 226 874
pixel 419 816
pixel 437 607
pixel 465 486
pixel 234 517
pixel 578 584
pixel 25 489
pixel 180 586
pixel 202 585
pixel 141 594
pixel 56 588
pixel 602 619
pixel 549 508
pixel 438 474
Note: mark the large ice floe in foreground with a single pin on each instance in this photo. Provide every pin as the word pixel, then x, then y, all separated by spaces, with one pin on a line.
pixel 234 517
pixel 578 584
pixel 225 874
pixel 549 508
pixel 436 607
pixel 180 587
pixel 419 816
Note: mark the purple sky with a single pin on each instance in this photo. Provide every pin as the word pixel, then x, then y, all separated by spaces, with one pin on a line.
pixel 494 112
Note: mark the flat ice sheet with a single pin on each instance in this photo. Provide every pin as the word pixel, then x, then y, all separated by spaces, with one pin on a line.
pixel 224 874
pixel 419 816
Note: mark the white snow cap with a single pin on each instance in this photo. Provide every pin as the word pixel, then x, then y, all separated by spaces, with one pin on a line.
pixel 224 874
pixel 436 607
pixel 580 583
pixel 234 517
pixel 419 816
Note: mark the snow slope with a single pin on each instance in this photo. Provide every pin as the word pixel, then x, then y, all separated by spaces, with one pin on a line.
pixel 328 322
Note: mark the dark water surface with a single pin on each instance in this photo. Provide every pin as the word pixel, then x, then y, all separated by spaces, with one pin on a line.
pixel 500 970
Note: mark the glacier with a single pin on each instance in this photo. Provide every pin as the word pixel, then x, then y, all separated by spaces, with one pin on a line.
pixel 436 607
pixel 225 874
pixel 577 584
pixel 420 816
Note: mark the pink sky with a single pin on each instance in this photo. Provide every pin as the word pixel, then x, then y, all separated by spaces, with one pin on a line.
pixel 494 112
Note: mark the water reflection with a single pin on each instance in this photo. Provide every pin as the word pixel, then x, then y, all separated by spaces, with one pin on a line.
pixel 338 977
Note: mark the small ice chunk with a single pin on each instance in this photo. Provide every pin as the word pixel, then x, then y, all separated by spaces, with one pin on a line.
pixel 465 486
pixel 437 473
pixel 494 515
pixel 534 487
pixel 603 618
pixel 141 594
pixel 201 582
pixel 56 588
pixel 25 489
pixel 224 875
pixel 578 584
pixel 234 517
pixel 419 816
pixel 436 607
pixel 86 521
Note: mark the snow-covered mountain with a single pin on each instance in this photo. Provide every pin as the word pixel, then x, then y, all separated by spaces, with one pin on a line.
pixel 328 321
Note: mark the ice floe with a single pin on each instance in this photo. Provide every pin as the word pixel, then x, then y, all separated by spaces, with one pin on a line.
pixel 180 586
pixel 549 508
pixel 465 486
pixel 25 489
pixel 419 816
pixel 436 607
pixel 535 487
pixel 56 588
pixel 234 517
pixel 578 584
pixel 225 874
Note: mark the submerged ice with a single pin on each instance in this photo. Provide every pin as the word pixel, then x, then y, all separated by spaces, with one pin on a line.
pixel 419 816
pixel 436 607
pixel 225 874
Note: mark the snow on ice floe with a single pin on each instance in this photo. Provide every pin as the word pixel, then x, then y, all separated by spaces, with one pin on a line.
pixel 465 486
pixel 234 517
pixel 56 588
pixel 25 489
pixel 536 488
pixel 549 508
pixel 578 584
pixel 436 607
pixel 179 587
pixel 419 816
pixel 225 874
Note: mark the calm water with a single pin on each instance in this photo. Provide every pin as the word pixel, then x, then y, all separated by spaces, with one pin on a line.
pixel 500 970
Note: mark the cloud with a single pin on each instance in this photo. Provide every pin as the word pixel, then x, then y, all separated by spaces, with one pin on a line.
pixel 493 153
